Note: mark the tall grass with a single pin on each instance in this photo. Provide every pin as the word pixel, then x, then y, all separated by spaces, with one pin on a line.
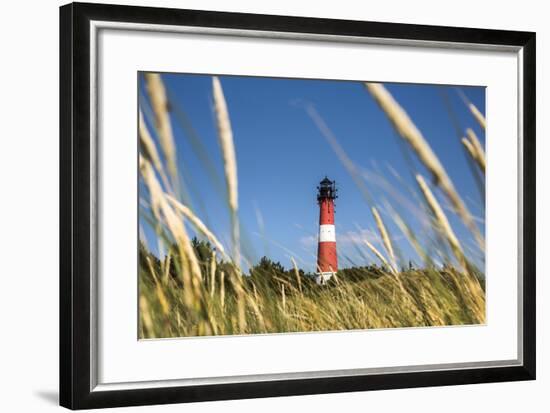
pixel 412 135
pixel 426 298
pixel 474 148
pixel 225 136
pixel 199 288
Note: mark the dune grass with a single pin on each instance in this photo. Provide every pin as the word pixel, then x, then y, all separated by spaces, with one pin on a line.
pixel 273 304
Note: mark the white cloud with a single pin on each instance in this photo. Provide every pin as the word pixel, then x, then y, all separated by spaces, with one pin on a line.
pixel 349 237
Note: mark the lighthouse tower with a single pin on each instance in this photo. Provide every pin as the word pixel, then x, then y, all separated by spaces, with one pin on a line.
pixel 327 261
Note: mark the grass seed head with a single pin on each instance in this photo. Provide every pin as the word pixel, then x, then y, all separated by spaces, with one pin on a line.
pixel 160 105
pixel 477 115
pixel 384 234
pixel 441 220
pixel 477 147
pixel 406 128
pixel 225 139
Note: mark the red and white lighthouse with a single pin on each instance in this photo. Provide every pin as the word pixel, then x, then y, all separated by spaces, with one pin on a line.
pixel 327 259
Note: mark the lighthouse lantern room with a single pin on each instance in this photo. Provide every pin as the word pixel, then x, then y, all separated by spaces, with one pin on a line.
pixel 327 260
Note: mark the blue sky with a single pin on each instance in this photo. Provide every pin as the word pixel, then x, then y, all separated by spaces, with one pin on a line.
pixel 282 155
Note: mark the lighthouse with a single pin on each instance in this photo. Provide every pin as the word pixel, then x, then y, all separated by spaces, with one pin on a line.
pixel 327 260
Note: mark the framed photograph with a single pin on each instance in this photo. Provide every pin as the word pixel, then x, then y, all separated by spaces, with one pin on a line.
pixel 258 206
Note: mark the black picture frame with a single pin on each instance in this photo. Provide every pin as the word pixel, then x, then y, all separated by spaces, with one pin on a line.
pixel 75 219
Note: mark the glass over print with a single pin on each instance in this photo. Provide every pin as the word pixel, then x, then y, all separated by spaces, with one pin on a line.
pixel 272 205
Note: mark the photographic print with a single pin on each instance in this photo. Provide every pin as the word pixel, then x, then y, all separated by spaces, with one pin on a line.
pixel 275 205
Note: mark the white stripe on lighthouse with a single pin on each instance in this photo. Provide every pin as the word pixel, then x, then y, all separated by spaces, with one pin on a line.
pixel 327 233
